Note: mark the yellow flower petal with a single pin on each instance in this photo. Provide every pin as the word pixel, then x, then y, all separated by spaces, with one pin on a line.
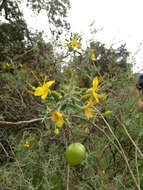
pixel 43 90
pixel 38 91
pixel 93 57
pixel 96 97
pixel 103 171
pixel 60 122
pixel 27 144
pixel 90 104
pixel 87 109
pixel 95 83
pixel 56 131
pixel 79 47
pixel 59 114
pixel 88 113
pixel 54 117
pixel 45 94
pixel 86 130
pixel 57 117
pixel 67 45
pixel 48 84
pixel 74 43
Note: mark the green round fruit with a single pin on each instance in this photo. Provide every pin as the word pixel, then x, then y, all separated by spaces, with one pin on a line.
pixel 75 153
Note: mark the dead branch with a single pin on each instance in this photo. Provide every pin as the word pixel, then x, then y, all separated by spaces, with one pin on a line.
pixel 8 123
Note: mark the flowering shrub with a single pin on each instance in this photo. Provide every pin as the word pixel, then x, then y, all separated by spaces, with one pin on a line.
pixel 67 102
pixel 101 114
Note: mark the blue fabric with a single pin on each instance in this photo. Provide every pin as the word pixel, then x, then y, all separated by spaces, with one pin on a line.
pixel 140 81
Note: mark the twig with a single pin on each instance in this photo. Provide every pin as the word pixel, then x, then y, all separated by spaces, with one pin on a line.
pixel 4 150
pixel 20 122
pixel 22 101
pixel 68 172
pixel 68 176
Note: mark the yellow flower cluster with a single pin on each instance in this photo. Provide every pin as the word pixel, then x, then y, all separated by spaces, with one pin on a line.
pixel 93 55
pixel 73 44
pixel 43 91
pixel 57 117
pixel 56 131
pixel 4 65
pixel 103 172
pixel 86 130
pixel 26 144
pixel 92 95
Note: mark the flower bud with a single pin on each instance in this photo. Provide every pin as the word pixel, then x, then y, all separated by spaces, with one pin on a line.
pixel 85 97
pixel 55 94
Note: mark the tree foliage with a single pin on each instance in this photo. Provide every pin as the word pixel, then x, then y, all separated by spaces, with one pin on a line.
pixel 16 37
pixel 56 12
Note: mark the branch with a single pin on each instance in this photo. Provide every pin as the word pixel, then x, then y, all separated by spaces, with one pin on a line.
pixel 20 122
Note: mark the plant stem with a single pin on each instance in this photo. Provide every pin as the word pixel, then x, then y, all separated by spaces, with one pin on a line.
pixel 68 176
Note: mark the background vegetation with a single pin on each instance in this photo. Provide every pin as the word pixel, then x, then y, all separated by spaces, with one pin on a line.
pixel 32 147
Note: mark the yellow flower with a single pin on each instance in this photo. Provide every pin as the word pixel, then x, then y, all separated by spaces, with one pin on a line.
pixel 20 65
pixel 103 171
pixel 86 129
pixel 88 113
pixel 43 89
pixel 56 131
pixel 67 45
pixel 88 110
pixel 90 103
pixel 78 46
pixel 7 64
pixel 27 144
pixel 74 43
pixel 57 117
pixel 94 88
pixel 93 57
